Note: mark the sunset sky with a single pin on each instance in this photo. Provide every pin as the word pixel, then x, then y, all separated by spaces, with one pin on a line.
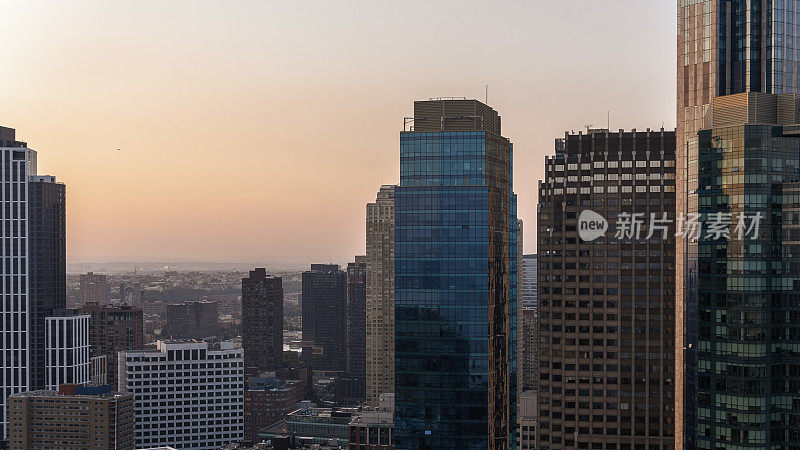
pixel 256 131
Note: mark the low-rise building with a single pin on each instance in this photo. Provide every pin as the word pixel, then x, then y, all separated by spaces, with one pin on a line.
pixel 373 428
pixel 74 417
pixel 268 400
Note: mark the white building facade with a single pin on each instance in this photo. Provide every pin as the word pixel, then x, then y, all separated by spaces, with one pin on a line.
pixel 67 350
pixel 186 395
pixel 17 163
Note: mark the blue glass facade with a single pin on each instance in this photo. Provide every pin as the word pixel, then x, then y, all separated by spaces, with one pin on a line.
pixel 455 292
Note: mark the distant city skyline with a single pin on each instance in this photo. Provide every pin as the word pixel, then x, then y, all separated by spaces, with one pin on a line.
pixel 253 145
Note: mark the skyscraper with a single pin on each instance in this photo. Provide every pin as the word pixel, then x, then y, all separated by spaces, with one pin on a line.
pixel 380 296
pixel 113 329
pixel 724 47
pixel 356 324
pixel 606 301
pixel 748 274
pixel 47 233
pixel 455 275
pixel 262 322
pixel 324 309
pixel 17 163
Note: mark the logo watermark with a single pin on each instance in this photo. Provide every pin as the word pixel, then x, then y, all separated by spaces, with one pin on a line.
pixel 591 225
pixel 692 226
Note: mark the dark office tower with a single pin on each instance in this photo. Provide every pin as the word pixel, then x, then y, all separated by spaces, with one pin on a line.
pixel 94 288
pixel 356 324
pixel 324 304
pixel 113 329
pixel 47 253
pixel 744 177
pixel 606 298
pixel 17 163
pixel 455 280
pixel 262 322
pixel 724 47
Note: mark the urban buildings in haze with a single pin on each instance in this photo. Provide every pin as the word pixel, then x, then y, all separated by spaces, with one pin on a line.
pixel 74 417
pixel 324 306
pixel 356 325
pixel 606 301
pixel 113 329
pixel 185 394
pixel 455 274
pixel 130 293
pixel 380 296
pixel 262 322
pixel 192 320
pixel 94 288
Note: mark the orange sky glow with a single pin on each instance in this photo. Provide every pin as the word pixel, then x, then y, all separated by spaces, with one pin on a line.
pixel 256 131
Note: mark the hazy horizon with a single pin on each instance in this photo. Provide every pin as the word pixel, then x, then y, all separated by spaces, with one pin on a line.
pixel 258 131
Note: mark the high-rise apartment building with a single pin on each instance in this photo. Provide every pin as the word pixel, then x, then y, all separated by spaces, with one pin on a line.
pixel 17 163
pixel 192 320
pixel 380 296
pixel 47 234
pixel 530 282
pixel 528 357
pixel 111 330
pixel 356 324
pixel 724 47
pixel 94 288
pixel 606 298
pixel 324 305
pixel 72 418
pixel 262 322
pixel 186 395
pixel 66 349
pixel 455 280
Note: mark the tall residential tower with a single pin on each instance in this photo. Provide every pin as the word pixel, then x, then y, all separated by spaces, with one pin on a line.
pixel 380 295
pixel 262 322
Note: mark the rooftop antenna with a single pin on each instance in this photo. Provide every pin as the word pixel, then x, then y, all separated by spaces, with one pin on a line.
pixel 589 127
pixel 609 120
pixel 487 95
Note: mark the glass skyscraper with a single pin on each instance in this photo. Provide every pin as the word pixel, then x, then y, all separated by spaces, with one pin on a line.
pixel 725 47
pixel 748 308
pixel 455 280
